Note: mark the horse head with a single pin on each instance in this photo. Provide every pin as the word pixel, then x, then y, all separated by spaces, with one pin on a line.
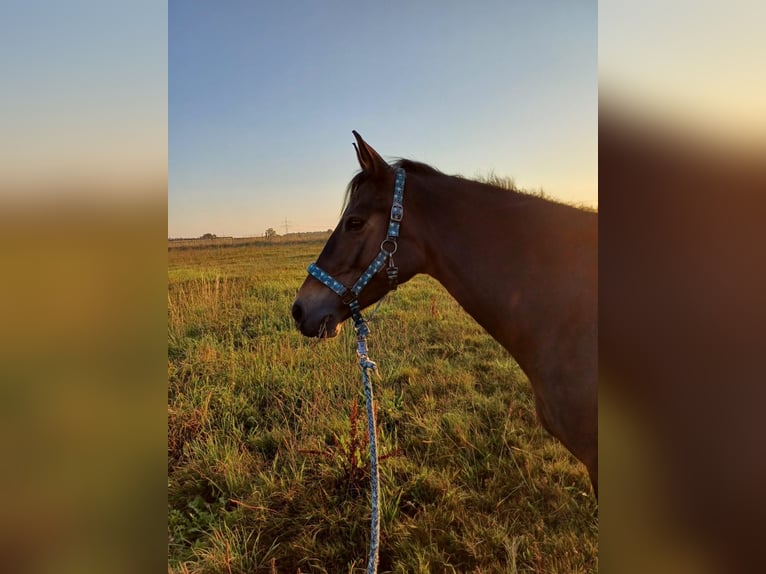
pixel 362 236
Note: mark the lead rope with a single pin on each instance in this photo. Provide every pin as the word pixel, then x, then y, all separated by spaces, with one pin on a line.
pixel 367 365
pixel 388 247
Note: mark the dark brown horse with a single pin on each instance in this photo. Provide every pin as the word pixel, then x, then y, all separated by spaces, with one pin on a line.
pixel 524 267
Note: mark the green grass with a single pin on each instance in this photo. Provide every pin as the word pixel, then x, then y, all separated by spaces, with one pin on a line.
pixel 267 460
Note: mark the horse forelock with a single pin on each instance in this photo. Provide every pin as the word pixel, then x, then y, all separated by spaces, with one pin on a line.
pixel 353 187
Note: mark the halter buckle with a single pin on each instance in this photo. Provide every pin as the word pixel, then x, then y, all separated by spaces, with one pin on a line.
pixel 348 297
pixel 397 211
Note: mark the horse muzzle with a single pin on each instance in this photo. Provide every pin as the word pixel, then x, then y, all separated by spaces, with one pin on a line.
pixel 313 322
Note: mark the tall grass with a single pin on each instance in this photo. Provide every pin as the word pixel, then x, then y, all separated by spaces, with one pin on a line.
pixel 267 462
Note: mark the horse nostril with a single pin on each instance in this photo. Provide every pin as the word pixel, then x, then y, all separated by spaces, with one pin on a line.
pixel 297 312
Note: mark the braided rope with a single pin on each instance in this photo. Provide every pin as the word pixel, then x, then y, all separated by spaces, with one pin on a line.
pixel 372 560
pixel 362 330
pixel 360 326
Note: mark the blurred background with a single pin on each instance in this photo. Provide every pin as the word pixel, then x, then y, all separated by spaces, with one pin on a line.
pixel 682 200
pixel 83 195
pixel 83 222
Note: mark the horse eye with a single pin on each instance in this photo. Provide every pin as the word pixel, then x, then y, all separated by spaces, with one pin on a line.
pixel 353 224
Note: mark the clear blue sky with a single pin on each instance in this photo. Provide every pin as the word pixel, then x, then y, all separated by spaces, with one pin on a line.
pixel 263 97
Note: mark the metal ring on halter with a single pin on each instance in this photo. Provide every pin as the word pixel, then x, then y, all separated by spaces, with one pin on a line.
pixel 389 252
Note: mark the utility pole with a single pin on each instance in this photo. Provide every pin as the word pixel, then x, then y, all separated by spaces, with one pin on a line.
pixel 286 225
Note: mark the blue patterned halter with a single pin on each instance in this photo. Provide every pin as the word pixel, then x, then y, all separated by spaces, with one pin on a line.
pixel 350 297
pixel 387 249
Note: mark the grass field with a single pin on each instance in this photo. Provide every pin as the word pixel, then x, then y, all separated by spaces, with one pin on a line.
pixel 267 451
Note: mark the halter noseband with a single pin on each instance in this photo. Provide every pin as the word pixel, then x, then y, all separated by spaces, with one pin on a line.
pixel 387 249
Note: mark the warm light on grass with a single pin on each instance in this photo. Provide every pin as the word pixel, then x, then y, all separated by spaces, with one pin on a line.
pixel 268 467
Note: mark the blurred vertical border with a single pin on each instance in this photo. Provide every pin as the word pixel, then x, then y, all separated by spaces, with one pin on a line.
pixel 682 286
pixel 83 228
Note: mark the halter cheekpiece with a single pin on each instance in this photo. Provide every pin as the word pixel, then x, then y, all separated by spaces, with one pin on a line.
pixel 387 249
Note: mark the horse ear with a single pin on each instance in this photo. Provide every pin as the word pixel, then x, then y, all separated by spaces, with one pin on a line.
pixel 369 159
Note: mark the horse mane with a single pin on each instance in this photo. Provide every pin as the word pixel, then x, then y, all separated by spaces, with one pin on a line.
pixel 496 182
pixel 500 183
pixel 412 166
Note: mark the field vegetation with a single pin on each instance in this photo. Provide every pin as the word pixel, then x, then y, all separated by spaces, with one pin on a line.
pixel 267 449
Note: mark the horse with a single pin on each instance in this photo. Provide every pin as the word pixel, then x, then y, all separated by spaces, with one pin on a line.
pixel 523 266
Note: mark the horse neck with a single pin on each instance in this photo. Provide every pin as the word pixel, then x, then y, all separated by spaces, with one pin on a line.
pixel 511 260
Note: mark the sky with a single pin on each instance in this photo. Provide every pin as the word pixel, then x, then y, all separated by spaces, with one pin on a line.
pixel 262 98
pixel 83 103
